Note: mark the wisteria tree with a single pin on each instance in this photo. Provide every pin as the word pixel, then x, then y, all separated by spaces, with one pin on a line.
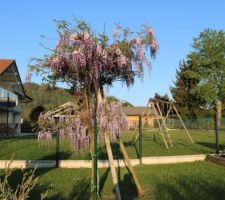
pixel 88 62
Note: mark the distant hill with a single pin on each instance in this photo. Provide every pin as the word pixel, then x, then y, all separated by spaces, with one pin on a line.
pixel 45 99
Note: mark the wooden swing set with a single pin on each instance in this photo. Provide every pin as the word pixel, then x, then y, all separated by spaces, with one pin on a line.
pixel 162 110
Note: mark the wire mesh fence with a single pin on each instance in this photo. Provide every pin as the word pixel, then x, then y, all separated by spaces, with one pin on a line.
pixel 27 147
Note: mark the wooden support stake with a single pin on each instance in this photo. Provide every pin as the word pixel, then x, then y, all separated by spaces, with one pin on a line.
pixel 112 166
pixel 130 167
pixel 183 124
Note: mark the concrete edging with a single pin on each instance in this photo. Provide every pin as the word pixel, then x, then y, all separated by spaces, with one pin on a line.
pixel 101 163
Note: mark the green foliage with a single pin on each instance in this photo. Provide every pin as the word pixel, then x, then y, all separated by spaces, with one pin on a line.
pixel 35 112
pixel 200 81
pixel 127 104
pixel 182 92
pixel 208 60
pixel 44 98
pixel 164 97
pixel 112 99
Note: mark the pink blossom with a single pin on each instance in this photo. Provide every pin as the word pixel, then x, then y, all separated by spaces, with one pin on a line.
pixel 79 59
pixel 138 41
pixel 99 50
pixel 122 61
pixel 55 62
pixel 149 31
pixel 116 33
pixel 141 54
pixel 44 137
pixel 28 76
pixel 126 32
pixel 110 118
pixel 154 47
pixel 132 42
pixel 86 35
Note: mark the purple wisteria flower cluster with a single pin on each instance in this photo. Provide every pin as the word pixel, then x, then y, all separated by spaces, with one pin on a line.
pixel 68 127
pixel 44 137
pixel 88 62
pixel 111 118
pixel 83 58
pixel 77 135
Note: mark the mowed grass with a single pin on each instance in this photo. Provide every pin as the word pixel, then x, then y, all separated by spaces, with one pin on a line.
pixel 29 148
pixel 195 181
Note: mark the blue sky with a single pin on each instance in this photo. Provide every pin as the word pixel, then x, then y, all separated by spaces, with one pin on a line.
pixel 175 23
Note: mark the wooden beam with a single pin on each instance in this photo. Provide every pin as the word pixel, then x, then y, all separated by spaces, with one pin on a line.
pixel 112 166
pixel 168 112
pixel 164 124
pixel 130 167
pixel 183 124
pixel 160 127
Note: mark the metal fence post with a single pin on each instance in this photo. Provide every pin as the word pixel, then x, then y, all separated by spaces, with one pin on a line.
pixel 140 139
pixel 57 150
pixel 57 143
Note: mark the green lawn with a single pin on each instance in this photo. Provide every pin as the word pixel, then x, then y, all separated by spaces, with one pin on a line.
pixel 194 181
pixel 29 148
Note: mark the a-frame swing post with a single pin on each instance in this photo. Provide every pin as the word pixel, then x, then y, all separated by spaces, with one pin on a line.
pixel 160 127
pixel 138 135
pixel 164 124
pixel 168 112
pixel 183 124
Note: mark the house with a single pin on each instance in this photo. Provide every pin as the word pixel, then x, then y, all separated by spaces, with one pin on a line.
pixel 12 94
pixel 133 114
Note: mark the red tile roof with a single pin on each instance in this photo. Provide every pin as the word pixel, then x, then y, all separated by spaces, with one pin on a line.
pixel 5 64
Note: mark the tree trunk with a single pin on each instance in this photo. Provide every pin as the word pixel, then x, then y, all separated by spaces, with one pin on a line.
pixel 217 122
pixel 112 167
pixel 218 111
pixel 130 167
pixel 90 133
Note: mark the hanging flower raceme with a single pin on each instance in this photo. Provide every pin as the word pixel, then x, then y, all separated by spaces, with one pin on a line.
pixel 77 135
pixel 111 118
pixel 44 137
pixel 67 127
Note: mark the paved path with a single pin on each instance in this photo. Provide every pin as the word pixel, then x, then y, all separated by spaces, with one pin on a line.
pixel 101 163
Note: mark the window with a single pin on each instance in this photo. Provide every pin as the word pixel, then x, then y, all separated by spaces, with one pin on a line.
pixel 4 94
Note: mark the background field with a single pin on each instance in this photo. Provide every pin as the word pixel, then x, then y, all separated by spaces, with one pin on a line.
pixel 27 147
